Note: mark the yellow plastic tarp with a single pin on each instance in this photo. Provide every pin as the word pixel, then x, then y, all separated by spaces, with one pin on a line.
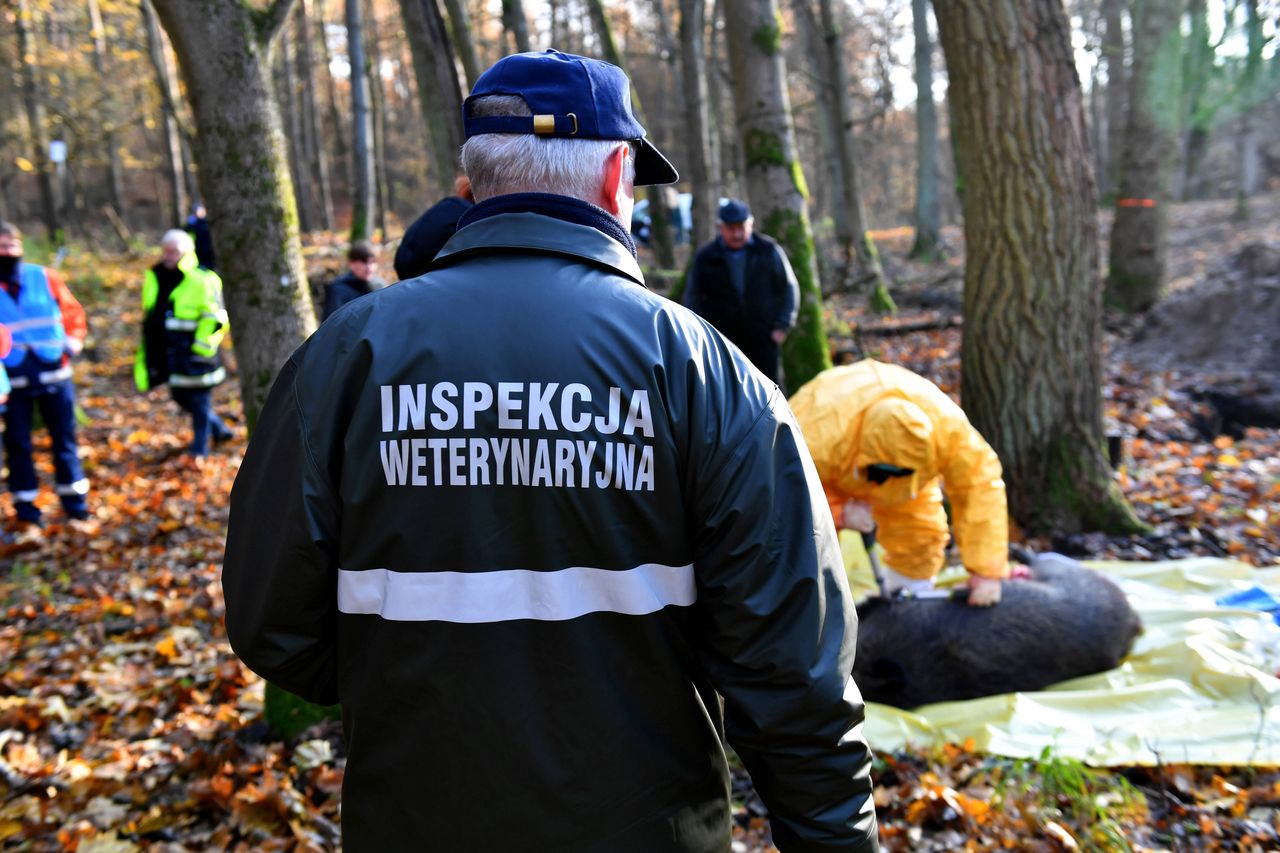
pixel 1199 687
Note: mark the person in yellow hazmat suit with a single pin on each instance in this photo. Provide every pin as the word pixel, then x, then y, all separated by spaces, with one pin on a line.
pixel 886 443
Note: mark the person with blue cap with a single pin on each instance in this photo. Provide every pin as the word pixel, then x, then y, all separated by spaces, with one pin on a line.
pixel 545 535
pixel 742 283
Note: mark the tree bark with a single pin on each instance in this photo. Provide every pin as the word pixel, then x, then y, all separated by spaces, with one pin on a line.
pixel 240 148
pixel 115 171
pixel 1197 115
pixel 33 101
pixel 291 115
pixel 693 61
pixel 463 40
pixel 928 240
pixel 378 102
pixel 659 211
pixel 1113 51
pixel 774 180
pixel 171 137
pixel 336 116
pixel 1139 233
pixel 1253 98
pixel 312 134
pixel 1031 357
pixel 438 88
pixel 361 127
pixel 516 24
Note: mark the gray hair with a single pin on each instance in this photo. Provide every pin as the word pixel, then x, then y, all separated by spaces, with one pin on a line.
pixel 179 239
pixel 501 163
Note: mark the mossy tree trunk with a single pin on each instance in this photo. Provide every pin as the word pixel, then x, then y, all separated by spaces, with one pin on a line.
pixel 244 179
pixel 1031 375
pixel 1139 232
pixel 439 90
pixel 928 218
pixel 775 182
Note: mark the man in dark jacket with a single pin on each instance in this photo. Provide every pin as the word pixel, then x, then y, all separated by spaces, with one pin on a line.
pixel 525 520
pixel 360 278
pixel 430 231
pixel 742 283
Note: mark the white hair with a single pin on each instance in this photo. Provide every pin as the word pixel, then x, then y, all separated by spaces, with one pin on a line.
pixel 501 163
pixel 178 239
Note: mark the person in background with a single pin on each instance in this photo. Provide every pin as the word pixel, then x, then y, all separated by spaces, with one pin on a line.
pixel 360 278
pixel 198 228
pixel 429 232
pixel 742 283
pixel 183 324
pixel 48 327
pixel 529 521
pixel 887 443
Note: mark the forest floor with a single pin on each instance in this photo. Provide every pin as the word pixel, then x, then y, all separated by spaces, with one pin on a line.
pixel 126 723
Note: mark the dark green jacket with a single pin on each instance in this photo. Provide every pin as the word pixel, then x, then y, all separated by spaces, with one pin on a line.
pixel 525 519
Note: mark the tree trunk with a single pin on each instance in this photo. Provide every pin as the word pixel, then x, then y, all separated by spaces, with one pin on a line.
pixel 692 58
pixel 664 254
pixel 1031 357
pixel 291 115
pixel 361 127
pixel 726 154
pixel 240 148
pixel 115 171
pixel 378 103
pixel 171 135
pixel 1139 233
pixel 438 88
pixel 928 241
pixel 1197 116
pixel 1113 50
pixel 33 100
pixel 1253 96
pixel 774 180
pixel 463 41
pixel 336 116
pixel 312 135
pixel 516 24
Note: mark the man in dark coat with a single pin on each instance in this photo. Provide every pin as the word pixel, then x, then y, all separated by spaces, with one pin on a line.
pixel 528 522
pixel 360 278
pixel 742 283
pixel 430 231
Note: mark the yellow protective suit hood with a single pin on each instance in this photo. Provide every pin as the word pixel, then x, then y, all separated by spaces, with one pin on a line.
pixel 897 432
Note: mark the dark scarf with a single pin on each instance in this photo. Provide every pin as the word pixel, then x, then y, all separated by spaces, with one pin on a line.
pixel 558 206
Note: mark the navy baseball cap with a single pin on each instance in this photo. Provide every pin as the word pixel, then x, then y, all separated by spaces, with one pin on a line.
pixel 570 97
pixel 733 211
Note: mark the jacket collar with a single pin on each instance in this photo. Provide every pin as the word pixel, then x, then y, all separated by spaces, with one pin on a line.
pixel 539 233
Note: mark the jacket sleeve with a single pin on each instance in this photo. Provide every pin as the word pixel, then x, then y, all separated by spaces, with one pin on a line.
pixel 212 325
pixel 332 300
pixel 779 636
pixel 692 296
pixel 788 295
pixel 973 480
pixel 74 322
pixel 914 533
pixel 279 574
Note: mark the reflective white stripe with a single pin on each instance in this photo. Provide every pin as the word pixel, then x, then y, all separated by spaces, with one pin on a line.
pixel 510 594
pixel 79 487
pixel 25 496
pixel 32 323
pixel 18 382
pixel 180 325
pixel 201 381
pixel 50 376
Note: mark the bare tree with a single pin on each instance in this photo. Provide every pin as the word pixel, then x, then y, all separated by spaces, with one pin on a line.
pixel 33 100
pixel 463 41
pixel 312 138
pixel 438 88
pixel 693 61
pixel 1113 53
pixel 1252 93
pixel 516 24
pixel 240 148
pixel 362 177
pixel 774 179
pixel 1031 358
pixel 291 116
pixel 1139 233
pixel 170 132
pixel 928 218
pixel 115 171
pixel 378 102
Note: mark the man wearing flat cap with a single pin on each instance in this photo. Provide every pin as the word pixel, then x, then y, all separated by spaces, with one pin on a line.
pixel 528 522
pixel 742 283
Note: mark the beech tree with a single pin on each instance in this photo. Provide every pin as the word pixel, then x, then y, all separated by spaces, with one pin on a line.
pixel 1031 356
pixel 240 151
pixel 775 181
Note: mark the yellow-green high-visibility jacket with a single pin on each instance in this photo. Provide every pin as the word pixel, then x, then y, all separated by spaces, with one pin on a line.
pixel 870 412
pixel 180 338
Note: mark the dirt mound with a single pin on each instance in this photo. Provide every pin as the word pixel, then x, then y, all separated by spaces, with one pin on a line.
pixel 1228 322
